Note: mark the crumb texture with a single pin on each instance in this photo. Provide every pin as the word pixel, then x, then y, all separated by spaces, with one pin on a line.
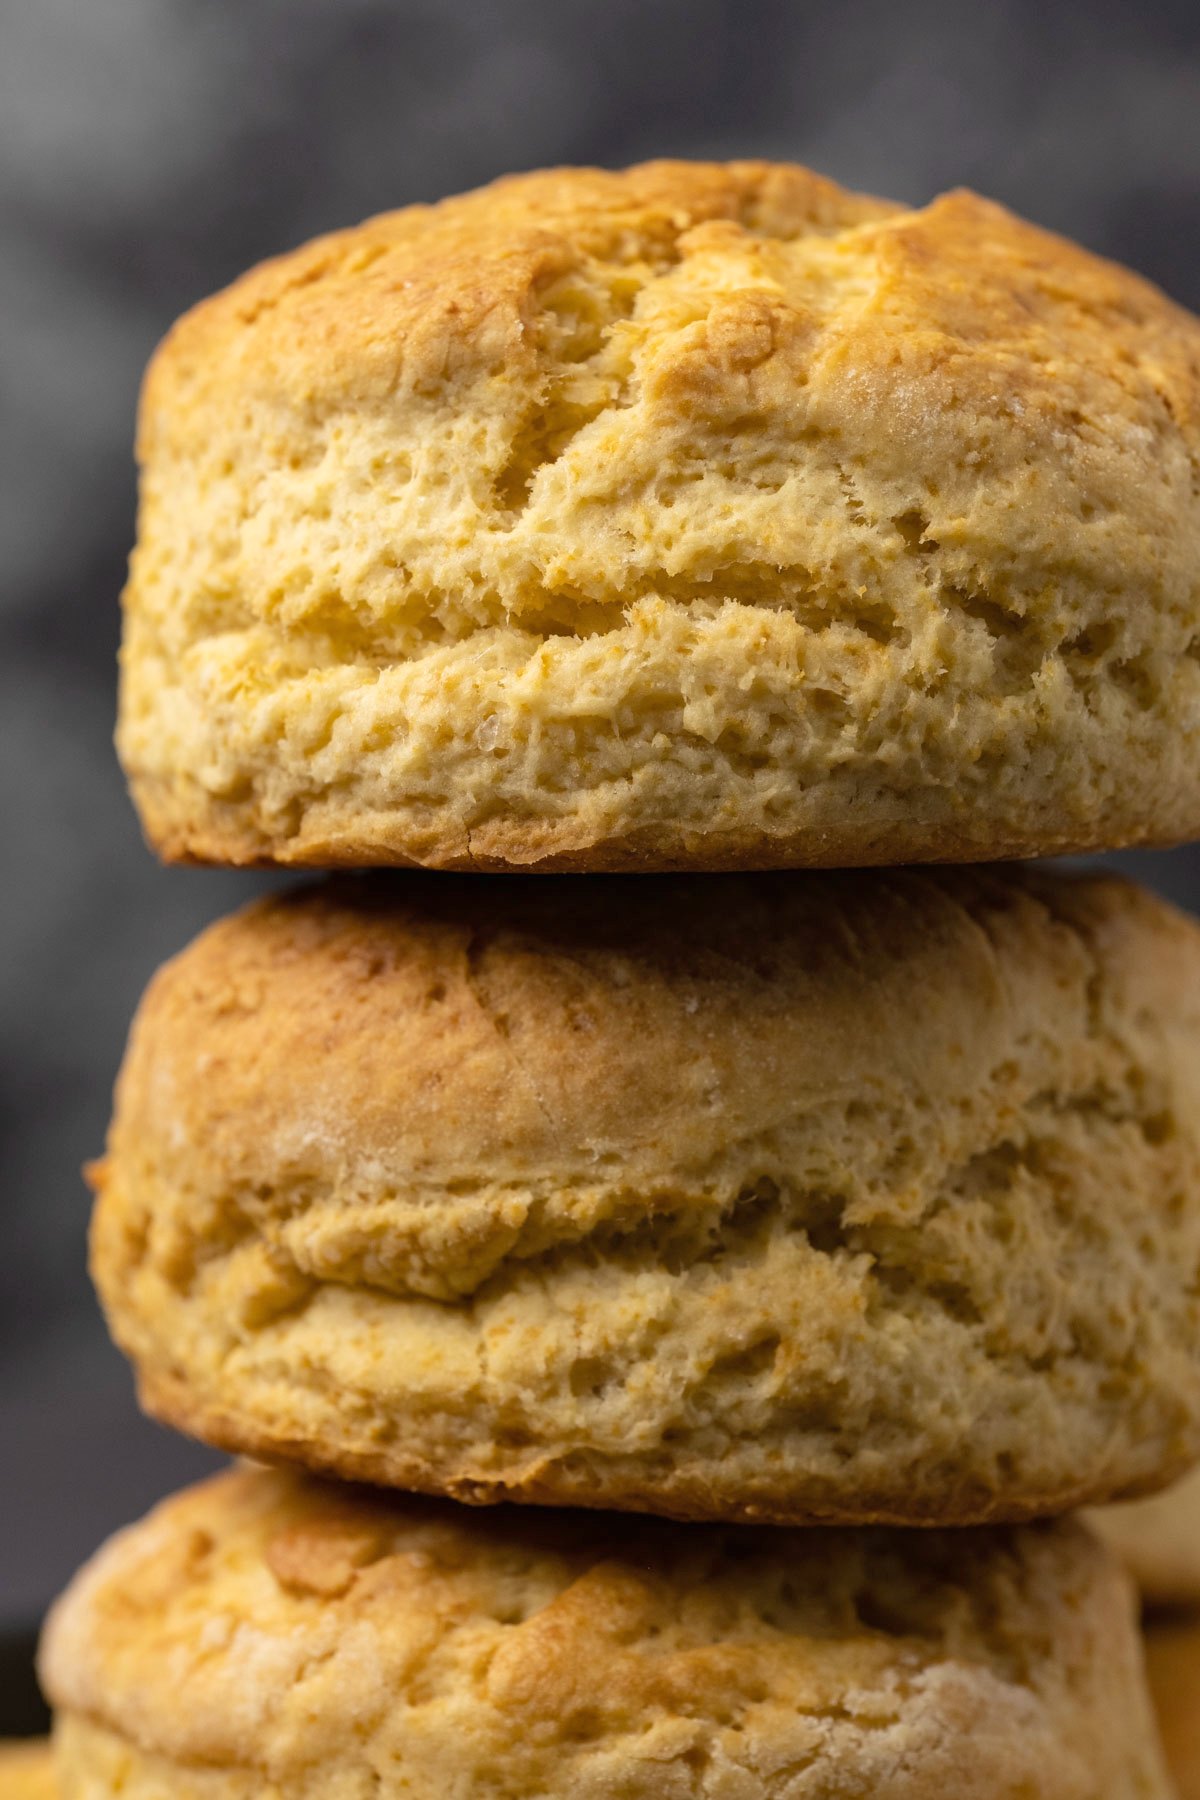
pixel 693 516
pixel 337 1644
pixel 835 1198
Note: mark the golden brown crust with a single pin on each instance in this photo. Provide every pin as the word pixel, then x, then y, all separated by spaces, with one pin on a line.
pixel 1173 1665
pixel 181 826
pixel 457 291
pixel 774 1197
pixel 332 1643
pixel 697 516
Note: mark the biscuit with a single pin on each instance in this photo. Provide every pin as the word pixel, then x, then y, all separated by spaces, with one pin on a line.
pixel 1158 1540
pixel 799 1198
pixel 1173 1665
pixel 27 1771
pixel 698 516
pixel 336 1644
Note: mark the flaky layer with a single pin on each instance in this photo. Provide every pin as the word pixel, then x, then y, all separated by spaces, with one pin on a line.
pixel 795 1198
pixel 696 516
pixel 343 1646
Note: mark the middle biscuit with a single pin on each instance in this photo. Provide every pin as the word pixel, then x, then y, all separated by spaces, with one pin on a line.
pixel 793 1198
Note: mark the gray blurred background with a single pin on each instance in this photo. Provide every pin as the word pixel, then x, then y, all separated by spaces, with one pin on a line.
pixel 149 150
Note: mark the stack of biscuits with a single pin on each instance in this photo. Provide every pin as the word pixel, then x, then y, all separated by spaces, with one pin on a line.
pixel 674 1260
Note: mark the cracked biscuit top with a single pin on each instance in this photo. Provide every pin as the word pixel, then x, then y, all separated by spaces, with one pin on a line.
pixel 334 1644
pixel 838 1198
pixel 693 516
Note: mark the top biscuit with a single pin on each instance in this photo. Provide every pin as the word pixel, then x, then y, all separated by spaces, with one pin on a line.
pixel 695 516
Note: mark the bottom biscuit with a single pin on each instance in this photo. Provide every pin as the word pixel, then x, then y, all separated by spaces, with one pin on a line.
pixel 265 1632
